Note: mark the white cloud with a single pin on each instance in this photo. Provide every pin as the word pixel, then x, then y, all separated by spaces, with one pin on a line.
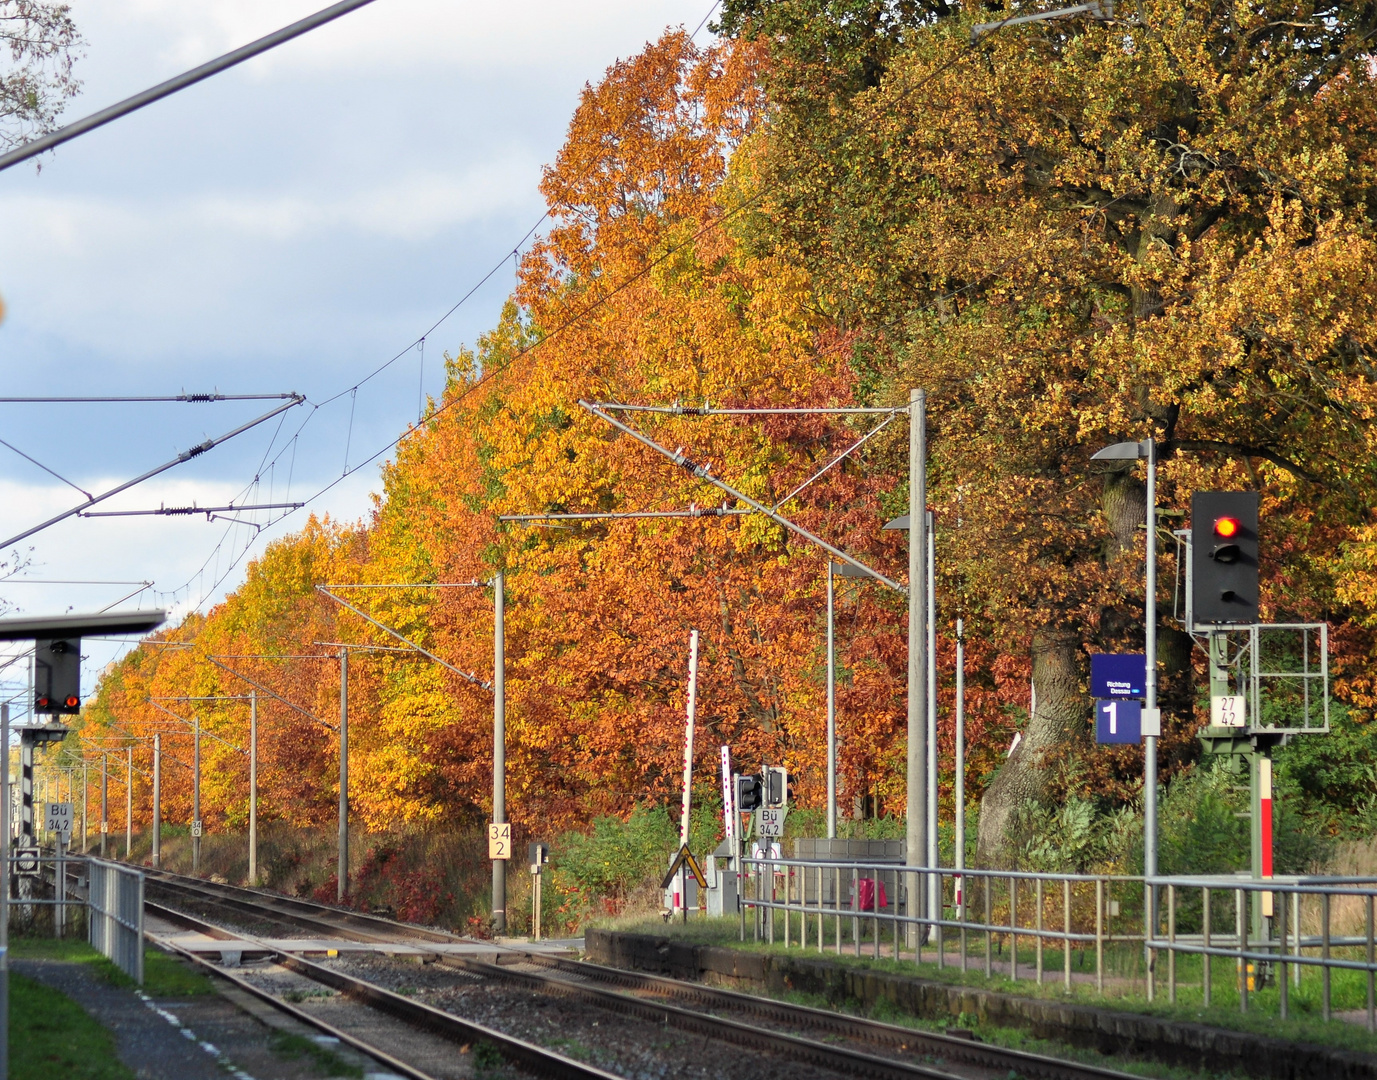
pixel 406 208
pixel 288 225
pixel 397 34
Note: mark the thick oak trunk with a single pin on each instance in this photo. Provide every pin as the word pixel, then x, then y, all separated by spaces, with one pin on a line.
pixel 1057 724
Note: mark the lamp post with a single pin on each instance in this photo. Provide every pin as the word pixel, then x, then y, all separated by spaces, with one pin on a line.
pixel 497 688
pixel 1147 451
pixel 157 799
pixel 195 724
pixel 834 570
pixel 104 800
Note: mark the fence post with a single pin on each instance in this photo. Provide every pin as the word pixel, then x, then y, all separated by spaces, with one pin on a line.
pixel 1038 896
pixel 1171 944
pixel 836 906
pixel 940 914
pixel 1324 951
pixel 786 905
pixel 1296 913
pixel 1099 934
pixel 875 907
pixel 989 947
pixel 856 914
pixel 1013 928
pixel 1066 919
pixel 1205 985
pixel 1149 935
pixel 1371 1004
pixel 1241 919
pixel 1282 996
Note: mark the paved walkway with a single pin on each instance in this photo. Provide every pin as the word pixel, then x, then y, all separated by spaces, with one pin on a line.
pixel 205 1037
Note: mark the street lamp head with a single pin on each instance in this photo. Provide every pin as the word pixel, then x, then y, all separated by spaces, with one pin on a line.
pixel 899 523
pixel 1122 451
pixel 848 571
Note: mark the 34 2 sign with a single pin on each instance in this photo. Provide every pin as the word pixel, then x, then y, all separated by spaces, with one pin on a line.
pixel 500 840
pixel 57 817
pixel 771 820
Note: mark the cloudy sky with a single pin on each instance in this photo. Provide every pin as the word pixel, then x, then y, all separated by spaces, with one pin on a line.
pixel 290 225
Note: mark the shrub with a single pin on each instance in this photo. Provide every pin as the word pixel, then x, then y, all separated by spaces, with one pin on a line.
pixel 615 856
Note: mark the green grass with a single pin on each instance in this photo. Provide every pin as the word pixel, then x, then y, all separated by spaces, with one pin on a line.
pixel 324 1060
pixel 52 1036
pixel 1348 989
pixel 164 975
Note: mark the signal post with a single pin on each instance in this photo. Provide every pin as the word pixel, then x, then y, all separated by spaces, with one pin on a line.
pixel 1224 597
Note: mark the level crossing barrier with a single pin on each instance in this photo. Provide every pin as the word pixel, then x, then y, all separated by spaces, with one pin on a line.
pixel 1012 923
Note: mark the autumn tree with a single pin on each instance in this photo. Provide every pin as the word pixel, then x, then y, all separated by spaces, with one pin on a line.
pixel 43 45
pixel 1081 231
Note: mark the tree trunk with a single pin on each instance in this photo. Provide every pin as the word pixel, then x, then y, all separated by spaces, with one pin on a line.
pixel 1057 723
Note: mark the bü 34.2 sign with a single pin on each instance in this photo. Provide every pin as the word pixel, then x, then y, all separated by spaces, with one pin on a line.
pixel 770 820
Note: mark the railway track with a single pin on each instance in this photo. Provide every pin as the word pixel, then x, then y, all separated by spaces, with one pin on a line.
pixel 820 1042
pixel 462 1034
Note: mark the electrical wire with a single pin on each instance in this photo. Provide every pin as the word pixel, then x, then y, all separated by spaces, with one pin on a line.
pixel 486 376
pixel 50 472
pixel 524 353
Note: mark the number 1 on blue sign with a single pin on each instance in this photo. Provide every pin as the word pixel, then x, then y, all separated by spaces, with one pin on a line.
pixel 1118 720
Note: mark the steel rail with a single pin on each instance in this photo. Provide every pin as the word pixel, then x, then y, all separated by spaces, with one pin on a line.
pixel 354 925
pixel 794 1047
pixel 823 1022
pixel 382 1057
pixel 524 1055
pixel 965 1051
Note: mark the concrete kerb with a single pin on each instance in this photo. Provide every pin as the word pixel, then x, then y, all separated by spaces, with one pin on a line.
pixel 1108 1031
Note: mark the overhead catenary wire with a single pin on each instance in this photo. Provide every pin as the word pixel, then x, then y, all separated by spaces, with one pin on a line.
pixel 50 472
pixel 180 82
pixel 215 396
pixel 691 512
pixel 273 693
pixel 523 353
pixel 185 456
pixel 316 406
pixel 181 511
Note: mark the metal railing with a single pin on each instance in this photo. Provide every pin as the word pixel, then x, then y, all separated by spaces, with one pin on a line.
pixel 1083 927
pixel 114 899
pixel 109 894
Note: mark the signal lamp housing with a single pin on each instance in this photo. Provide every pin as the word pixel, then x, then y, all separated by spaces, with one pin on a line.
pixel 1224 558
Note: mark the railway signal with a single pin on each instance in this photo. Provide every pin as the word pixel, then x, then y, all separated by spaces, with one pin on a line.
pixel 776 787
pixel 749 793
pixel 57 676
pixel 1224 557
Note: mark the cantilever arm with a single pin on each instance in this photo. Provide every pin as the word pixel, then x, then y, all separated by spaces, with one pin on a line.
pixel 470 676
pixel 702 473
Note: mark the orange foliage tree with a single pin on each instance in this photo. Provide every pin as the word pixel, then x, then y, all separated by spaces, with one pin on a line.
pixel 651 287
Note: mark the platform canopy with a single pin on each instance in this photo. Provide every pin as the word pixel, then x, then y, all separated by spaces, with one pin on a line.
pixel 44 627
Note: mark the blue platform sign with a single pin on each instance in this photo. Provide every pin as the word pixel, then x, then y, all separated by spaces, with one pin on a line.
pixel 1117 675
pixel 1118 720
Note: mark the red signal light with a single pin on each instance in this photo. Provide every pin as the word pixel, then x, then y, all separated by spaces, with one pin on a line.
pixel 73 702
pixel 1226 527
pixel 43 702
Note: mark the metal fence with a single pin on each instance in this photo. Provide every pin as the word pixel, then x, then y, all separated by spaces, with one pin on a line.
pixel 114 900
pixel 1091 929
